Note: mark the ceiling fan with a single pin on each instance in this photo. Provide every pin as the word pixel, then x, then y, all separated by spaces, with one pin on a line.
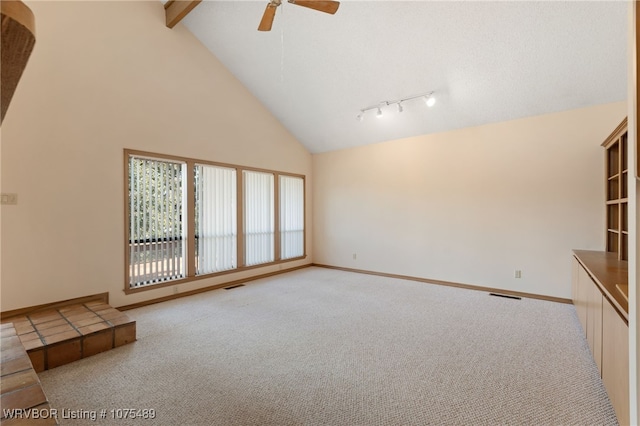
pixel 270 12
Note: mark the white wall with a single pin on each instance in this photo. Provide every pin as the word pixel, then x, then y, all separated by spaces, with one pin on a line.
pixel 470 206
pixel 105 76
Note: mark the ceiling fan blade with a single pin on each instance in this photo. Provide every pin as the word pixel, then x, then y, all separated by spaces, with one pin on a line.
pixel 267 18
pixel 321 5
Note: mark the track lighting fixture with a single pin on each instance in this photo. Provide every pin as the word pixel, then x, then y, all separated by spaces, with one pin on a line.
pixel 428 98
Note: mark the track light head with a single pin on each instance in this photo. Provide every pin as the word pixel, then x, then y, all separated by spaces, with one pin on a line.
pixel 359 117
pixel 379 113
pixel 400 109
pixel 430 100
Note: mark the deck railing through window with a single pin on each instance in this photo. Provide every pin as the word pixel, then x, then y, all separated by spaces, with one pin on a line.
pixel 156 228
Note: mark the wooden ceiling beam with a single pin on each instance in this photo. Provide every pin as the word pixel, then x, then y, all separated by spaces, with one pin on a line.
pixel 18 39
pixel 175 10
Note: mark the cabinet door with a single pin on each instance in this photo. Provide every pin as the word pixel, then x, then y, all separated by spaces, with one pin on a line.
pixel 594 324
pixel 615 361
pixel 575 267
pixel 579 291
pixel 584 284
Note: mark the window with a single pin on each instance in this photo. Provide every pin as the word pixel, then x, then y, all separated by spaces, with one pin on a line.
pixel 216 227
pixel 156 229
pixel 190 219
pixel 291 217
pixel 259 226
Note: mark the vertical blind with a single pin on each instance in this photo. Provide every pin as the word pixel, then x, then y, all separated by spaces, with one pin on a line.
pixel 216 219
pixel 291 217
pixel 259 226
pixel 156 228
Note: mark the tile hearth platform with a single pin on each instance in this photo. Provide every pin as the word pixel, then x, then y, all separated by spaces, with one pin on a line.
pixel 58 336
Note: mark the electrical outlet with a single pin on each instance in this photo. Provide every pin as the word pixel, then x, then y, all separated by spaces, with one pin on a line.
pixel 9 199
pixel 518 273
pixel 355 256
pixel 175 289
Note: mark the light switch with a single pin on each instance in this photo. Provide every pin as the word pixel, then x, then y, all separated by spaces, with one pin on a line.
pixel 9 199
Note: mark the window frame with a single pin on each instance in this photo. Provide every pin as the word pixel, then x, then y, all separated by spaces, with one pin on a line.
pixel 189 210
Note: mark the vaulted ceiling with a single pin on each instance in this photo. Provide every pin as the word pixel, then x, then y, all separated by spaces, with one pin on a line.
pixel 485 61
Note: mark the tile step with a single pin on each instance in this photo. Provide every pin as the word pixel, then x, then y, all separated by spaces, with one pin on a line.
pixel 23 400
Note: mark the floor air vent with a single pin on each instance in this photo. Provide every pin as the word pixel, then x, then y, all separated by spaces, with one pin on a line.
pixel 506 296
pixel 234 286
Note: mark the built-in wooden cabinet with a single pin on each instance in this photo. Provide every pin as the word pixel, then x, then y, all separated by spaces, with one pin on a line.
pixel 603 315
pixel 616 197
pixel 599 286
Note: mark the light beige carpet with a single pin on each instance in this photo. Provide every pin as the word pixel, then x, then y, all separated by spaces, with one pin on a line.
pixel 325 347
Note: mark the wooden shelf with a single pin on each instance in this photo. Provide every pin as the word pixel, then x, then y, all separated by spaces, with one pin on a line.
pixel 616 196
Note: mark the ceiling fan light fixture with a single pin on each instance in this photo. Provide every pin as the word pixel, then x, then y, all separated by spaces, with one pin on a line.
pixel 326 6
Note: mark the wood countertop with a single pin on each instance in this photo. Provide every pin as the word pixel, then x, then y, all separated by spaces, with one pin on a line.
pixel 610 274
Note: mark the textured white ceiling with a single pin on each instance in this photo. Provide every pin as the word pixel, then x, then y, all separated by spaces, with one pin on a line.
pixel 486 62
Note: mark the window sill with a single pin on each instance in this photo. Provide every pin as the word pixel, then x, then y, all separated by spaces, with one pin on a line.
pixel 169 283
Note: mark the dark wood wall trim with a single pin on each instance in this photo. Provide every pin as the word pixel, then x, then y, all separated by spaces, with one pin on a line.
pixel 451 284
pixel 103 297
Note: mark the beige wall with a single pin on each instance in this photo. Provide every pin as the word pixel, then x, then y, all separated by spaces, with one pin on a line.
pixel 634 212
pixel 470 206
pixel 105 76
